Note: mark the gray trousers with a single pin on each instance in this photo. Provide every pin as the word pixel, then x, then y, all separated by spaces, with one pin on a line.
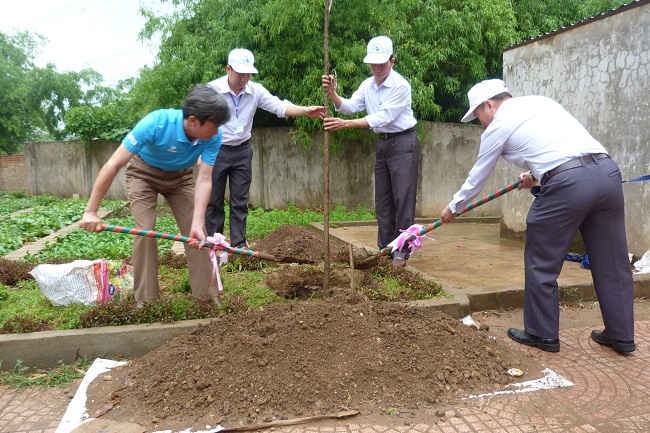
pixel 590 199
pixel 396 184
pixel 233 166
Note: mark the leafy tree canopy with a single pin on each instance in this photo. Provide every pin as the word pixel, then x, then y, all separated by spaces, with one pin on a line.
pixel 34 100
pixel 536 17
pixel 442 46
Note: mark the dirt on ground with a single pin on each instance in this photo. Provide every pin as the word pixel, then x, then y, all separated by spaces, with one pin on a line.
pixel 306 358
pixel 291 243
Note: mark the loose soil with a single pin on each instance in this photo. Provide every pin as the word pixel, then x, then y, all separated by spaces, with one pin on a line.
pixel 303 358
pixel 308 358
pixel 298 244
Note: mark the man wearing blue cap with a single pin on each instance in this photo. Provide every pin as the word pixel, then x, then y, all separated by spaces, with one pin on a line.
pixel 580 189
pixel 386 98
pixel 233 164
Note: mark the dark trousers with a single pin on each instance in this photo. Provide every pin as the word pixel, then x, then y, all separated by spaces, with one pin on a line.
pixel 590 199
pixel 233 165
pixel 396 184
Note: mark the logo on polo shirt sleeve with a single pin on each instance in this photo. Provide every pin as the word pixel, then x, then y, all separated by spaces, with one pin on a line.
pixel 131 138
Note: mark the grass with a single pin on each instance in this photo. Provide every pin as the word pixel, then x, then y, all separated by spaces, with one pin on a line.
pixel 22 376
pixel 23 308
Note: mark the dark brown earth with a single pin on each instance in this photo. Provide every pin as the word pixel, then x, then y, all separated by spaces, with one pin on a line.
pixel 307 358
pixel 303 358
pixel 298 244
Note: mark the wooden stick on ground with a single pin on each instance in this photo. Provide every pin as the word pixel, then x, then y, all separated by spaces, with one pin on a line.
pixel 293 421
pixel 351 255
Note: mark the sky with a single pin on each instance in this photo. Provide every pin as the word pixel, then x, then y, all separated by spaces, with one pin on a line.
pixel 97 34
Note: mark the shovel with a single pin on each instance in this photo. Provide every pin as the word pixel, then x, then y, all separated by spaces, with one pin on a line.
pixel 372 260
pixel 187 239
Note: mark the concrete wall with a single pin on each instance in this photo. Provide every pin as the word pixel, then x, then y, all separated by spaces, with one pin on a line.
pixel 285 172
pixel 13 175
pixel 600 72
pixel 68 168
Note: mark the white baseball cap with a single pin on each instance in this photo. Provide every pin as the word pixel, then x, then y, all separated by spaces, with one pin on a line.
pixel 480 93
pixel 380 49
pixel 242 61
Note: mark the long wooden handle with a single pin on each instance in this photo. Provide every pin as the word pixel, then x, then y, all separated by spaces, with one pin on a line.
pixel 476 203
pixel 293 421
pixel 186 239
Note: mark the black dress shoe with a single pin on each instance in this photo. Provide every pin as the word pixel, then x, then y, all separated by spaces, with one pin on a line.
pixel 620 346
pixel 523 337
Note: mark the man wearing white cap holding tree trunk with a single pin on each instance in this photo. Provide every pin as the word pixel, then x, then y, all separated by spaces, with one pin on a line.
pixel 579 189
pixel 233 165
pixel 386 98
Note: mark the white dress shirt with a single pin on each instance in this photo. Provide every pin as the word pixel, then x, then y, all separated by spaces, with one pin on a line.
pixel 243 106
pixel 531 132
pixel 388 105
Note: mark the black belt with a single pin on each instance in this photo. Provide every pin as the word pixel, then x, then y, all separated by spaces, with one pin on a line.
pixel 387 135
pixel 573 163
pixel 237 146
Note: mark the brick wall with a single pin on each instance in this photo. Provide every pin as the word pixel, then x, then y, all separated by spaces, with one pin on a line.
pixel 13 173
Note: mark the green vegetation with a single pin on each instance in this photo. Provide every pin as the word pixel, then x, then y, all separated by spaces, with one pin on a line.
pixel 40 221
pixel 47 215
pixel 35 100
pixel 25 309
pixel 442 47
pixel 22 376
pixel 11 202
pixel 81 244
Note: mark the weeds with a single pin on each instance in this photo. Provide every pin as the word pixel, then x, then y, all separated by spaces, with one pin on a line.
pixel 22 376
pixel 25 309
pixel 388 284
pixel 13 271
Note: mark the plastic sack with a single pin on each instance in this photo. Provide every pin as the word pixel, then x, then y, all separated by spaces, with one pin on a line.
pixel 83 281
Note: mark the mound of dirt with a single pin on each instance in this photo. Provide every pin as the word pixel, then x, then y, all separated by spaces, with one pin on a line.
pixel 306 358
pixel 299 244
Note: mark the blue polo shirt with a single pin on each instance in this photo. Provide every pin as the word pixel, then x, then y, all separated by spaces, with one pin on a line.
pixel 160 140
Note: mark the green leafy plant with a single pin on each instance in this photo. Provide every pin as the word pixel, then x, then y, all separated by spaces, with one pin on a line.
pixel 22 376
pixel 81 244
pixel 91 123
pixel 26 308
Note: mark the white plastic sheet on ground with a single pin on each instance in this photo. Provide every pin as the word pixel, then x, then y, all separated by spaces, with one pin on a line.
pixel 76 414
pixel 550 380
pixel 642 266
